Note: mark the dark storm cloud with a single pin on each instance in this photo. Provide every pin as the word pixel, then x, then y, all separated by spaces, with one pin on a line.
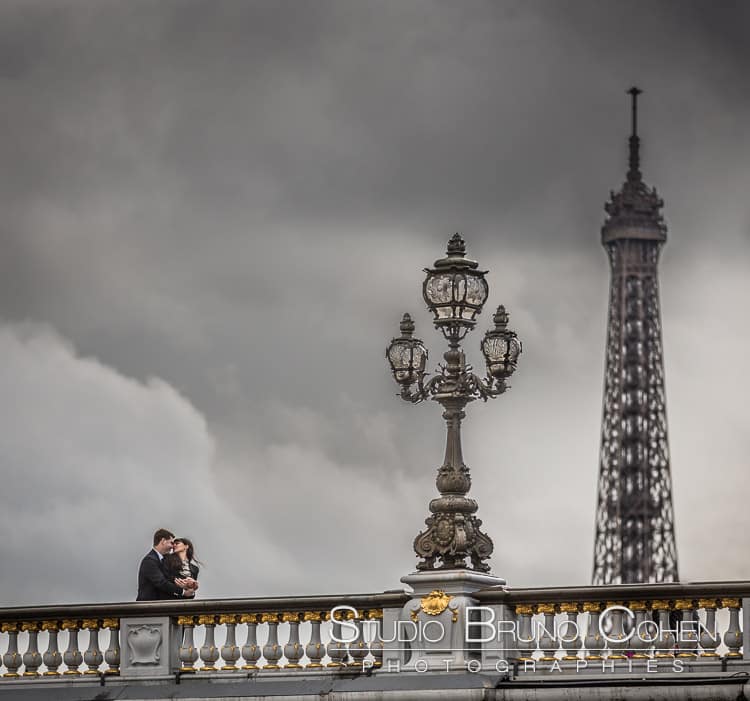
pixel 238 198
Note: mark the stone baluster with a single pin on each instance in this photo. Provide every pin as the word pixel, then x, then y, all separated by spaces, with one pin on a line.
pixel 571 641
pixel 688 636
pixel 507 642
pixel 617 642
pixel 293 650
pixel 376 644
pixel 112 654
pixel 272 650
pixel 640 640
pixel 72 656
pixel 547 643
pixel 230 652
pixel 187 653
pixel 358 647
pixel 11 658
pixel 93 656
pixel 733 636
pixel 594 641
pixel 315 649
pixel 526 637
pixel 52 658
pixel 251 650
pixel 31 658
pixel 709 638
pixel 209 653
pixel 336 650
pixel 664 646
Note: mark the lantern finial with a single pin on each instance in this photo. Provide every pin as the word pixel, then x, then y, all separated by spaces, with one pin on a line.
pixel 501 317
pixel 407 325
pixel 456 246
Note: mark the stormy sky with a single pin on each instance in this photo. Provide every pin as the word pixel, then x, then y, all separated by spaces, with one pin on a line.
pixel 213 215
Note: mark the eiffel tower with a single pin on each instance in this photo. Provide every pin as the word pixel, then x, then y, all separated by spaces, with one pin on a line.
pixel 635 540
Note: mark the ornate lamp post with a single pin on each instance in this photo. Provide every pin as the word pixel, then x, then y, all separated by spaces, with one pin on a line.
pixel 455 291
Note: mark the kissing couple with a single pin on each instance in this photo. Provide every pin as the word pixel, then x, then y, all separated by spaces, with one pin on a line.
pixel 168 571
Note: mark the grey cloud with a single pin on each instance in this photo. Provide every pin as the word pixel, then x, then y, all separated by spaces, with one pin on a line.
pixel 238 198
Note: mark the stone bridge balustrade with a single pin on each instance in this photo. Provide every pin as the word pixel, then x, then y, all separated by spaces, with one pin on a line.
pixel 559 628
pixel 195 638
pixel 554 630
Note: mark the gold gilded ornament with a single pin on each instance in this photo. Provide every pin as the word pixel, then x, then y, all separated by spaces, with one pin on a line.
pixel 315 616
pixel 435 602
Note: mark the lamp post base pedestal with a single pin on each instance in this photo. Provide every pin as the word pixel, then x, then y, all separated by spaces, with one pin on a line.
pixel 431 632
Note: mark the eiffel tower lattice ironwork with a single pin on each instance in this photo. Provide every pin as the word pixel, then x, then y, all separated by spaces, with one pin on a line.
pixel 635 538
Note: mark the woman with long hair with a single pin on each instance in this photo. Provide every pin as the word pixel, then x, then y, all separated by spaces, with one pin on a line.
pixel 181 562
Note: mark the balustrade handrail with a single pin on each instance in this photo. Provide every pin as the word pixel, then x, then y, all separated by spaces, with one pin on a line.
pixel 615 592
pixel 389 599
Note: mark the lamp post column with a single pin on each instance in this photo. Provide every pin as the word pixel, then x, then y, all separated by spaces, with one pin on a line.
pixel 455 291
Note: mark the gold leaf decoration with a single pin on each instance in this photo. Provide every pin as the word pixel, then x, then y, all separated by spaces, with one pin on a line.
pixel 435 602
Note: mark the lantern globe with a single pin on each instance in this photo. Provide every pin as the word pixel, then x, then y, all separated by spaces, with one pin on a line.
pixel 455 291
pixel 407 355
pixel 501 347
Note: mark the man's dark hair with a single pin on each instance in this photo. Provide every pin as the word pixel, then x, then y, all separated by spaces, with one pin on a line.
pixel 161 534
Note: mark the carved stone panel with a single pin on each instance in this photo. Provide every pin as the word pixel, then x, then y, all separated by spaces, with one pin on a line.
pixel 146 645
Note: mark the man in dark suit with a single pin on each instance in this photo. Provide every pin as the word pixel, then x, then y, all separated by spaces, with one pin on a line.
pixel 153 585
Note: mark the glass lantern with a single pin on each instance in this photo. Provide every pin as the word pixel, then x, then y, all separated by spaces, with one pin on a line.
pixel 407 355
pixel 455 291
pixel 501 347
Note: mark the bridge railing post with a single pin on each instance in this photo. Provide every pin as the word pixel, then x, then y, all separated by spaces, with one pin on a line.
pixel 149 646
